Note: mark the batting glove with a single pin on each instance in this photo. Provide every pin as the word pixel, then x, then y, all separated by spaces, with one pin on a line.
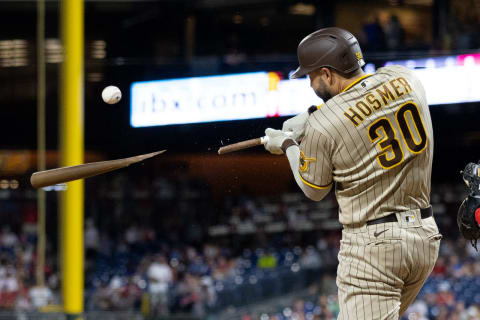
pixel 276 138
pixel 296 125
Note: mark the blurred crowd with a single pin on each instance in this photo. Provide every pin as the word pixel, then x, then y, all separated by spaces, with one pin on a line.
pixel 18 289
pixel 165 246
pixel 380 38
pixel 180 278
pixel 460 31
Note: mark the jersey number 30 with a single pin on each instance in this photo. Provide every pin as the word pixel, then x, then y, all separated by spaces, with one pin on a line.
pixel 382 130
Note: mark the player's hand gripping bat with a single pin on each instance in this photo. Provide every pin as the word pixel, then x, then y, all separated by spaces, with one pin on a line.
pixel 60 175
pixel 245 144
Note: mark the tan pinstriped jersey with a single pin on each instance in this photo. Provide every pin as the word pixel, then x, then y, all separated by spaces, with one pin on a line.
pixel 375 142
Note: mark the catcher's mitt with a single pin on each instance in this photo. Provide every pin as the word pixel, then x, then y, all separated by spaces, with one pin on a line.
pixel 468 217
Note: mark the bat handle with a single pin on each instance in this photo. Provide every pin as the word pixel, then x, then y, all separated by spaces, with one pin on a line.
pixel 240 146
pixel 246 144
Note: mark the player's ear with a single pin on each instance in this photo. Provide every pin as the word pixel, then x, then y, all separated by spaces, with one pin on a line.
pixel 327 76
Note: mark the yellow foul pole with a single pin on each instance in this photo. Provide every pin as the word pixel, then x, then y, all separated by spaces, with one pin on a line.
pixel 71 149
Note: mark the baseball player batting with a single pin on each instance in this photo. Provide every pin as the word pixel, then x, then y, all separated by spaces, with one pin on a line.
pixel 371 140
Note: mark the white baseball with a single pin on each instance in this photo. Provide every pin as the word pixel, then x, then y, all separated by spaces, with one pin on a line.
pixel 111 95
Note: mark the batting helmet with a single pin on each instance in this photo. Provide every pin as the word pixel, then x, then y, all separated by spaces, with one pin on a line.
pixel 329 47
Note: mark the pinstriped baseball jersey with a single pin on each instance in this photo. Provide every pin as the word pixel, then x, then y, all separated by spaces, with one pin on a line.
pixel 375 142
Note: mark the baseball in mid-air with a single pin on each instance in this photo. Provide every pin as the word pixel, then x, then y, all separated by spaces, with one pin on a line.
pixel 111 95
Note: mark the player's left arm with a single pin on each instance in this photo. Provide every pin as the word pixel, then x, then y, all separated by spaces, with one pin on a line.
pixel 293 154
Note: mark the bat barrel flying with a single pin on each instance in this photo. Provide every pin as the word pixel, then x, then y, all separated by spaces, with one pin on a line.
pixel 65 174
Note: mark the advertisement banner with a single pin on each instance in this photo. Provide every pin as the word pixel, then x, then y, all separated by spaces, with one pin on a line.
pixel 218 98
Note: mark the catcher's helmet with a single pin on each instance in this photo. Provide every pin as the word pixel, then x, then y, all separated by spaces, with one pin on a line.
pixel 329 47
pixel 468 217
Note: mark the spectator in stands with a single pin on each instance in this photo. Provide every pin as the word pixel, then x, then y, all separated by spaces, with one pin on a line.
pixel 327 309
pixel 467 269
pixel 132 235
pixel 310 258
pixel 234 57
pixel 22 301
pixel 3 267
pixel 440 268
pixel 126 297
pixel 106 244
pixel 41 296
pixel 460 310
pixel 223 268
pixel 198 266
pixel 101 297
pixel 10 282
pixel 443 313
pixel 473 312
pixel 26 255
pixel 266 260
pixel 454 266
pixel 29 222
pixel 163 189
pixel 430 299
pixel 209 295
pixel 445 295
pixel 373 34
pixel 159 276
pixel 92 242
pixel 418 310
pixel 189 295
pixel 196 294
pixel 8 239
pixel 298 310
pixel 394 34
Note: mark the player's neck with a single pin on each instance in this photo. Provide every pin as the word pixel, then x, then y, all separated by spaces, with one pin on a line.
pixel 346 83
